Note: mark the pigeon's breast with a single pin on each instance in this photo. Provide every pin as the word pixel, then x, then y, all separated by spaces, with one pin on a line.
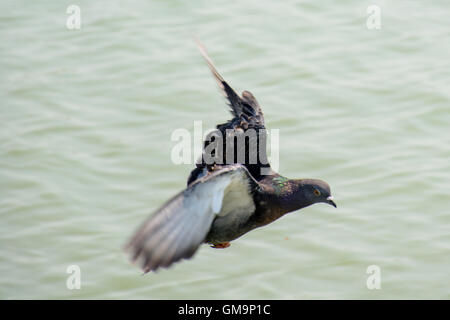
pixel 237 208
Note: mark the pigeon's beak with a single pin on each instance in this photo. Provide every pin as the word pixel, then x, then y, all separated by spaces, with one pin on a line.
pixel 331 202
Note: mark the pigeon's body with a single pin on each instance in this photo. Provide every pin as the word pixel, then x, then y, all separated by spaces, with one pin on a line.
pixel 271 198
pixel 227 197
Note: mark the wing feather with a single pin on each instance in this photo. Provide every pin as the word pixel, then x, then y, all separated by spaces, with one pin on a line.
pixel 234 101
pixel 179 227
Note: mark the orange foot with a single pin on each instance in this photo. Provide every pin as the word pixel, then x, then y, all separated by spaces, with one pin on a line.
pixel 222 245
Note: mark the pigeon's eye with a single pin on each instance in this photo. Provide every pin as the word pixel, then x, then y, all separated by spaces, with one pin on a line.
pixel 316 192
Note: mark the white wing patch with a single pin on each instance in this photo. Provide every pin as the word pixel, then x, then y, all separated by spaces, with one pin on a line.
pixel 217 202
pixel 209 196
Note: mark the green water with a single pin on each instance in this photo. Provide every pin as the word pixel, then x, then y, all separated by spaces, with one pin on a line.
pixel 87 115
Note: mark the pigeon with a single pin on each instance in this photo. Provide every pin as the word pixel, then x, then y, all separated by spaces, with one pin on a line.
pixel 230 192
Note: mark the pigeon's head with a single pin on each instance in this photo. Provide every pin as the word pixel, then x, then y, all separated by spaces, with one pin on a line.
pixel 317 191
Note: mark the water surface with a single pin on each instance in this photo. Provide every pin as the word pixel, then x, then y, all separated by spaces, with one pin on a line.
pixel 87 117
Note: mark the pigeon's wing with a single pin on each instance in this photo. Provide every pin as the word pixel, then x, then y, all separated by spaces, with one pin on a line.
pixel 247 122
pixel 179 227
pixel 246 106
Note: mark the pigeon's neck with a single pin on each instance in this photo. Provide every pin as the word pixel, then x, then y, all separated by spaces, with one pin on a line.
pixel 293 197
pixel 286 195
pixel 279 196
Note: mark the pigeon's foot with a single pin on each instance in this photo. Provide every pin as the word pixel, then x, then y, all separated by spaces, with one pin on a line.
pixel 222 245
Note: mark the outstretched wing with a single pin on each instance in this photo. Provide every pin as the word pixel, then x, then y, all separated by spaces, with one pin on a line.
pixel 247 122
pixel 245 106
pixel 179 227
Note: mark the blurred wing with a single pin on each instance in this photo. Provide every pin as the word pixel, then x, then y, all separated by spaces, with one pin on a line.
pixel 177 229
